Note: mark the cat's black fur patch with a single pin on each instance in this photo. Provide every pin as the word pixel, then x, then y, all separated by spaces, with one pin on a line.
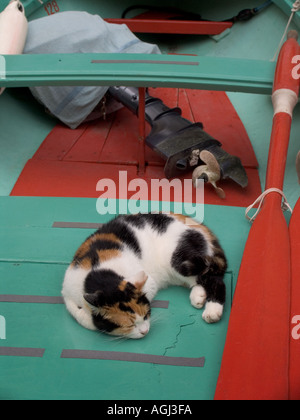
pixel 215 288
pixel 142 300
pixel 158 222
pixel 103 324
pixel 108 282
pixel 123 232
pixel 125 308
pixel 188 257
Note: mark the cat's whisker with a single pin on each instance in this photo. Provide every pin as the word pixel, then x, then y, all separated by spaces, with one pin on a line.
pixel 157 318
pixel 110 338
pixel 117 338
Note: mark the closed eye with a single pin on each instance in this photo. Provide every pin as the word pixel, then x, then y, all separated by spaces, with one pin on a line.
pixel 147 316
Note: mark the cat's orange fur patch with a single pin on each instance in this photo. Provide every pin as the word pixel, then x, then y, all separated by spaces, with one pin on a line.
pixel 86 263
pixel 138 309
pixel 122 285
pixel 104 255
pixel 83 249
pixel 124 319
pixel 108 254
pixel 186 220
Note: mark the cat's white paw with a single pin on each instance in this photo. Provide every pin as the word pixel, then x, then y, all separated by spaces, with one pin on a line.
pixel 198 297
pixel 213 312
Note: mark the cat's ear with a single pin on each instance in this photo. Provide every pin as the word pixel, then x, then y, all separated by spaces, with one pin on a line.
pixel 138 280
pixel 94 300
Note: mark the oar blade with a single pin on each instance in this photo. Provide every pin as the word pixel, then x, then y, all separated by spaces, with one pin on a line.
pixel 255 360
pixel 295 305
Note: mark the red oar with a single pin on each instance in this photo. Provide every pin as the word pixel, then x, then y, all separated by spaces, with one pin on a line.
pixel 255 363
pixel 295 301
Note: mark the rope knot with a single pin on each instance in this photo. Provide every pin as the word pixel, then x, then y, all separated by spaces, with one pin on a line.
pixel 296 6
pixel 285 205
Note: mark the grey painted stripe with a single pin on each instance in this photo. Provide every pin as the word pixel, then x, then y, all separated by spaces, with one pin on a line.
pixel 163 304
pixel 133 357
pixel 176 63
pixel 21 352
pixel 31 299
pixel 77 225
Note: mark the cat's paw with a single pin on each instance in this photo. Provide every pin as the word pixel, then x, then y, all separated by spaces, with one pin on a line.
pixel 198 297
pixel 213 312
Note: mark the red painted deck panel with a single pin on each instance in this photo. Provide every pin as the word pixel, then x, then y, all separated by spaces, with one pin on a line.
pixel 79 179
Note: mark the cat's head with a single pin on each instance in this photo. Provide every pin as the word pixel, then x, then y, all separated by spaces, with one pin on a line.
pixel 123 310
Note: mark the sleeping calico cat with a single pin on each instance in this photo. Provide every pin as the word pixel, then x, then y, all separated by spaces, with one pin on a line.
pixel 118 270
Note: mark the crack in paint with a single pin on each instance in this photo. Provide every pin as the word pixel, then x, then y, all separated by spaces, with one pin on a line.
pixel 173 346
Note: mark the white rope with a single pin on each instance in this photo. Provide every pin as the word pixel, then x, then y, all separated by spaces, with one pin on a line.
pixel 285 205
pixel 295 9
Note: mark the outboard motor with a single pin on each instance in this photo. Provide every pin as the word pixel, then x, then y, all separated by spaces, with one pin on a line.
pixel 184 145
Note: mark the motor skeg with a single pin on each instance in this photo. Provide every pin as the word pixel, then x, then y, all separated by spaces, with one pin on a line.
pixel 13 30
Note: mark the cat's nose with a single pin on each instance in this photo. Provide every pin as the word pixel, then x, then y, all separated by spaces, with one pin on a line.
pixel 144 331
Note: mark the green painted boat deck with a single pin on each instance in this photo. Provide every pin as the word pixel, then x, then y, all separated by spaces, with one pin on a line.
pixel 34 255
